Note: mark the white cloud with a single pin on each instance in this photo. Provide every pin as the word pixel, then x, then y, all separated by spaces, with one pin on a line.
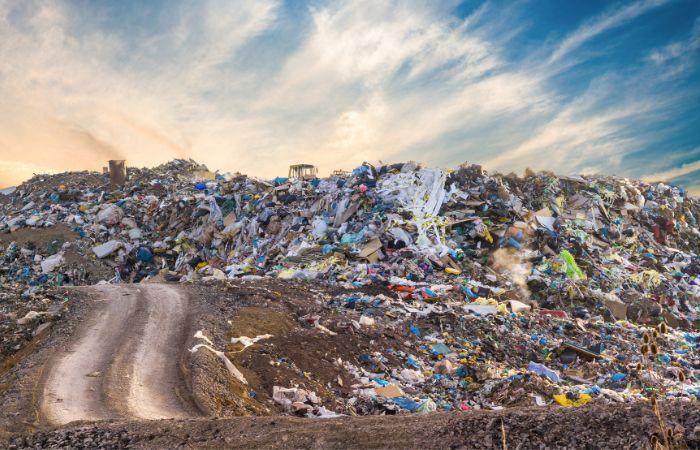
pixel 359 80
pixel 670 174
pixel 610 19
pixel 677 58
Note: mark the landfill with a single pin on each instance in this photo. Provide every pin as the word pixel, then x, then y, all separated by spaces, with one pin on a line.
pixel 500 290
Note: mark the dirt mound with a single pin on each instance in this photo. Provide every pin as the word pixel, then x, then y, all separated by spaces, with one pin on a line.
pixel 604 426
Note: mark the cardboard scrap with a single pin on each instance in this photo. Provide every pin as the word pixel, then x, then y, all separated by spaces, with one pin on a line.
pixel 371 251
pixel 389 391
pixel 617 308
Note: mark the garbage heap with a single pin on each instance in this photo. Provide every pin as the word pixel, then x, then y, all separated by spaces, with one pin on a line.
pixel 616 255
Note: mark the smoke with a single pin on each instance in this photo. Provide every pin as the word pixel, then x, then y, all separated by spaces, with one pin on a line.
pixel 35 141
pixel 508 262
pixel 96 148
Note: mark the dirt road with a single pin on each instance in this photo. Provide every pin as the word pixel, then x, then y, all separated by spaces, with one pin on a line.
pixel 125 362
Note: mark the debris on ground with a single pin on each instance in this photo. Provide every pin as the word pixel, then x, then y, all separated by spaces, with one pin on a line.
pixel 424 289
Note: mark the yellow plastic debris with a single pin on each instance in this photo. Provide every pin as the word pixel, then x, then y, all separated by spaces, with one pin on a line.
pixel 485 301
pixel 648 278
pixel 563 400
pixel 452 271
pixel 286 274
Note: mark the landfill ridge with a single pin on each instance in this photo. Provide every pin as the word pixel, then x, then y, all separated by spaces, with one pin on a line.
pixel 389 291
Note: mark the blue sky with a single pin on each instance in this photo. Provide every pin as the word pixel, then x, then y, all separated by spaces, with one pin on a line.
pixel 569 86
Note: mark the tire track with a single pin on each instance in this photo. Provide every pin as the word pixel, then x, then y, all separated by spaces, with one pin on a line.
pixel 124 363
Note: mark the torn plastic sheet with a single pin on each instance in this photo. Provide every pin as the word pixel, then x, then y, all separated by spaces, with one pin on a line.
pixel 51 263
pixel 541 369
pixel 200 335
pixel 324 413
pixel 247 342
pixel 399 234
pixel 227 362
pixel 215 214
pixel 422 193
pixel 106 249
pixel 324 329
pixel 547 222
pixel 320 227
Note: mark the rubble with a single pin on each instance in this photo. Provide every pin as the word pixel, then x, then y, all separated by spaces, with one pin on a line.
pixel 504 290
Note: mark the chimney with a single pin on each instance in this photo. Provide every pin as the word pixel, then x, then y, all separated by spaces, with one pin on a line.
pixel 117 172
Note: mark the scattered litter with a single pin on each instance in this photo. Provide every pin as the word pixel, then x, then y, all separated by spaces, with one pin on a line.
pixel 472 290
pixel 247 342
pixel 227 362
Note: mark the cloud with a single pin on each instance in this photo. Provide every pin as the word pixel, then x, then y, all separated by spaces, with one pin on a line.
pixel 254 86
pixel 608 20
pixel 68 102
pixel 677 58
pixel 678 49
pixel 670 174
pixel 587 134
pixel 368 80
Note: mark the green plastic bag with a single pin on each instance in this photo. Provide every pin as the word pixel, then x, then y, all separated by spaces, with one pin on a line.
pixel 572 269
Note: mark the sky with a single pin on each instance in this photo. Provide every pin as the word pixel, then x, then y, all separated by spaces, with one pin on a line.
pixel 253 86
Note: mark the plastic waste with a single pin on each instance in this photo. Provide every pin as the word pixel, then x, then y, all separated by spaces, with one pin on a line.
pixel 51 263
pixel 106 249
pixel 543 370
pixel 564 400
pixel 221 355
pixel 247 342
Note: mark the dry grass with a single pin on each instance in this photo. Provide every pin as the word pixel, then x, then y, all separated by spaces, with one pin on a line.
pixel 651 345
pixel 503 435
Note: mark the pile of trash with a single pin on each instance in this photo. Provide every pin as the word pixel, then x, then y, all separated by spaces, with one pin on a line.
pixel 466 357
pixel 26 314
pixel 561 277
